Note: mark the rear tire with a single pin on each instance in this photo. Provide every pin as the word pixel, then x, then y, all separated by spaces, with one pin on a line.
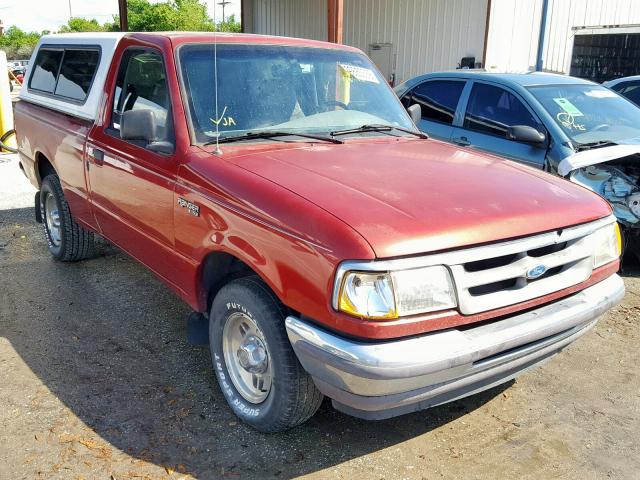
pixel 67 241
pixel 258 372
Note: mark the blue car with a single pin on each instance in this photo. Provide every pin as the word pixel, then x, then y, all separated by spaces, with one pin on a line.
pixel 567 126
pixel 628 87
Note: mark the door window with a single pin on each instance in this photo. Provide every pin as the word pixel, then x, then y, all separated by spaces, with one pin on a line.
pixel 493 110
pixel 438 99
pixel 142 84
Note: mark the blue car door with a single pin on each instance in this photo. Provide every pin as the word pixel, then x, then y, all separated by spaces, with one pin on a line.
pixel 489 111
pixel 439 100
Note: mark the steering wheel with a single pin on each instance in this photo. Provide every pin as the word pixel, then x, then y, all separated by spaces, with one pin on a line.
pixel 602 126
pixel 337 103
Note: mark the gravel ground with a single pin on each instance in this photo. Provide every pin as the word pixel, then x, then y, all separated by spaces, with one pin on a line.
pixel 98 381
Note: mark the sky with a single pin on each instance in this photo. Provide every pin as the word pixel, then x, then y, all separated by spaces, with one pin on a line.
pixel 38 15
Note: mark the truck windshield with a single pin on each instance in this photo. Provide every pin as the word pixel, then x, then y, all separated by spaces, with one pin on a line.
pixel 283 88
pixel 590 114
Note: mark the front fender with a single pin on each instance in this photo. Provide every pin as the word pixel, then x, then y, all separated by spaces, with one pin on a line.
pixel 291 243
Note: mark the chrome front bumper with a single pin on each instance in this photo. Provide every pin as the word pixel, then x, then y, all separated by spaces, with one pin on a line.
pixel 385 379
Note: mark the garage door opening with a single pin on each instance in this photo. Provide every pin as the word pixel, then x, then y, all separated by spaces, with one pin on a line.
pixel 601 57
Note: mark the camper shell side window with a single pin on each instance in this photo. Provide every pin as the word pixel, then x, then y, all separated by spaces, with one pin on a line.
pixel 64 72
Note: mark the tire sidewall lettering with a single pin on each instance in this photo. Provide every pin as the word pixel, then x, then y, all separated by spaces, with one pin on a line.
pixel 237 307
pixel 235 400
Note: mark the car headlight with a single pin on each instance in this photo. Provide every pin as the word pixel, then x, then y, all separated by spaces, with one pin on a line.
pixel 388 295
pixel 607 244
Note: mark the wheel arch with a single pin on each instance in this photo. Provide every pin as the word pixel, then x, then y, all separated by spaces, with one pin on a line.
pixel 43 167
pixel 218 268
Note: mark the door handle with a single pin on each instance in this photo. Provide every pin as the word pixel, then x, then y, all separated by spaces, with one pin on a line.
pixel 462 141
pixel 97 155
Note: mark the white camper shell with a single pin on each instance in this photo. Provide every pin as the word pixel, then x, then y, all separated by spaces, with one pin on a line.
pixel 87 108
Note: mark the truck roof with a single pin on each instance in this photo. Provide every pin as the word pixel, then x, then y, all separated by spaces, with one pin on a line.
pixel 107 43
pixel 225 37
pixel 188 37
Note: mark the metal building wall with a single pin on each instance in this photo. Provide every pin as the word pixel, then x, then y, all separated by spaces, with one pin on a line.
pixel 427 35
pixel 288 18
pixel 515 24
pixel 512 41
pixel 582 13
pixel 431 35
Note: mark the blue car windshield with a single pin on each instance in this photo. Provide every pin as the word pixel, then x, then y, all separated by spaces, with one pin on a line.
pixel 589 113
pixel 283 88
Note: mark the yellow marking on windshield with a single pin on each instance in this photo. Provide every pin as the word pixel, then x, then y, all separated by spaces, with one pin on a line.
pixel 226 121
pixel 217 122
pixel 344 85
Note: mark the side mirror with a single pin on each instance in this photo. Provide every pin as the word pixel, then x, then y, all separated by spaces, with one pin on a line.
pixel 415 112
pixel 141 125
pixel 138 125
pixel 525 134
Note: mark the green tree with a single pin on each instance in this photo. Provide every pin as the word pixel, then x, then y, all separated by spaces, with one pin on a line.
pixel 165 16
pixel 17 43
pixel 78 24
pixel 143 16
pixel 229 25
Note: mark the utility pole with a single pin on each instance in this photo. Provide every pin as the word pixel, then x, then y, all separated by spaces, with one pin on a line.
pixel 70 14
pixel 124 21
pixel 223 3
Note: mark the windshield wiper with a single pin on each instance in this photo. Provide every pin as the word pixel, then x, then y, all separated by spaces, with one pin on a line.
pixel 598 144
pixel 378 128
pixel 272 134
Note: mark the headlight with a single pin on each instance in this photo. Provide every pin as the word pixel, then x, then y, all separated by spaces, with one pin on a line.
pixel 387 295
pixel 607 244
pixel 368 295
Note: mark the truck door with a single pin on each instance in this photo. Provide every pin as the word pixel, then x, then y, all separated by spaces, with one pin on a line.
pixel 131 186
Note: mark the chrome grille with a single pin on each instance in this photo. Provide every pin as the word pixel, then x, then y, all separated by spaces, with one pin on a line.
pixel 502 280
pixel 495 275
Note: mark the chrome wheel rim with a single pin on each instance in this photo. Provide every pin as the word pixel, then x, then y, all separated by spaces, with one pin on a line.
pixel 52 218
pixel 247 357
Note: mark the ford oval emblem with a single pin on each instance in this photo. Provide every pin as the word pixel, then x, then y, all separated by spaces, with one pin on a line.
pixel 536 272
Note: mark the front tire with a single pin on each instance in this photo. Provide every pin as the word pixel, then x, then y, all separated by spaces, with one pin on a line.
pixel 67 241
pixel 258 372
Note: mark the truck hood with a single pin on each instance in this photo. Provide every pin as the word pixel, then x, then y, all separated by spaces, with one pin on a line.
pixel 595 156
pixel 408 196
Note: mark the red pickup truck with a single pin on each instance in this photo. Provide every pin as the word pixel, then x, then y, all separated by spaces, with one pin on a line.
pixel 280 188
